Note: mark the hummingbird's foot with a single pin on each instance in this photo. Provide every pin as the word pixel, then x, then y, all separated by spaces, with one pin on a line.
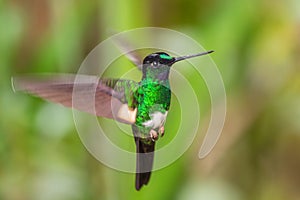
pixel 161 131
pixel 153 135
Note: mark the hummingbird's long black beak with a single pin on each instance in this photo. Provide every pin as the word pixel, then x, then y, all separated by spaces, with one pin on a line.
pixel 176 59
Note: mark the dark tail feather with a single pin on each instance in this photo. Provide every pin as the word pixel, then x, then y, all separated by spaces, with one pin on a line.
pixel 144 162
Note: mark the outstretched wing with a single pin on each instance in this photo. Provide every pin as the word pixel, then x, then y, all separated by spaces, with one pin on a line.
pixel 125 47
pixel 111 98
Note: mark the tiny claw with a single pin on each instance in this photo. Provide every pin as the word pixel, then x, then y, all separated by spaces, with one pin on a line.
pixel 153 135
pixel 161 131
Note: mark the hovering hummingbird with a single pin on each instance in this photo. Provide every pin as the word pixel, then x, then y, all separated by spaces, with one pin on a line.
pixel 143 104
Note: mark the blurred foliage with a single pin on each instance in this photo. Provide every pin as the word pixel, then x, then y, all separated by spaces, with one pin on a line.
pixel 257 48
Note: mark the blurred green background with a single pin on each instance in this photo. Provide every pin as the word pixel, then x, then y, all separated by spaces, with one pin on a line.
pixel 257 48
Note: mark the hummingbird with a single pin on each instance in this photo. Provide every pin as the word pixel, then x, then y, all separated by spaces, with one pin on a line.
pixel 144 105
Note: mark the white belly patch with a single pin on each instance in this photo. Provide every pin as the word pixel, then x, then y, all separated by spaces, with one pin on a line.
pixel 157 120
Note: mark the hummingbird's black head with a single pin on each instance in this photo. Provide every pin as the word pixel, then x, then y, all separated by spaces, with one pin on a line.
pixel 159 58
pixel 157 65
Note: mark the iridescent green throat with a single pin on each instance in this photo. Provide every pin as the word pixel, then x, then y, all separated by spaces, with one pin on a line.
pixel 152 96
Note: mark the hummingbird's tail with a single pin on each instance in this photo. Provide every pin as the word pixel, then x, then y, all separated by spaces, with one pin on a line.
pixel 144 162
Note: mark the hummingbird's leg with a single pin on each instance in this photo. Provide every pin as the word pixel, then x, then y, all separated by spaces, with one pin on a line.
pixel 153 135
pixel 161 131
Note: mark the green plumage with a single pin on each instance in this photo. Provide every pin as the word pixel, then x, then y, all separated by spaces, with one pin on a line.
pixel 152 96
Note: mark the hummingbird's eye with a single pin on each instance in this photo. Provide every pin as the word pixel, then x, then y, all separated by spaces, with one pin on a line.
pixel 154 63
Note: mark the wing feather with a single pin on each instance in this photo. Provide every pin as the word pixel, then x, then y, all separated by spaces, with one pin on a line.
pixel 125 47
pixel 100 97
